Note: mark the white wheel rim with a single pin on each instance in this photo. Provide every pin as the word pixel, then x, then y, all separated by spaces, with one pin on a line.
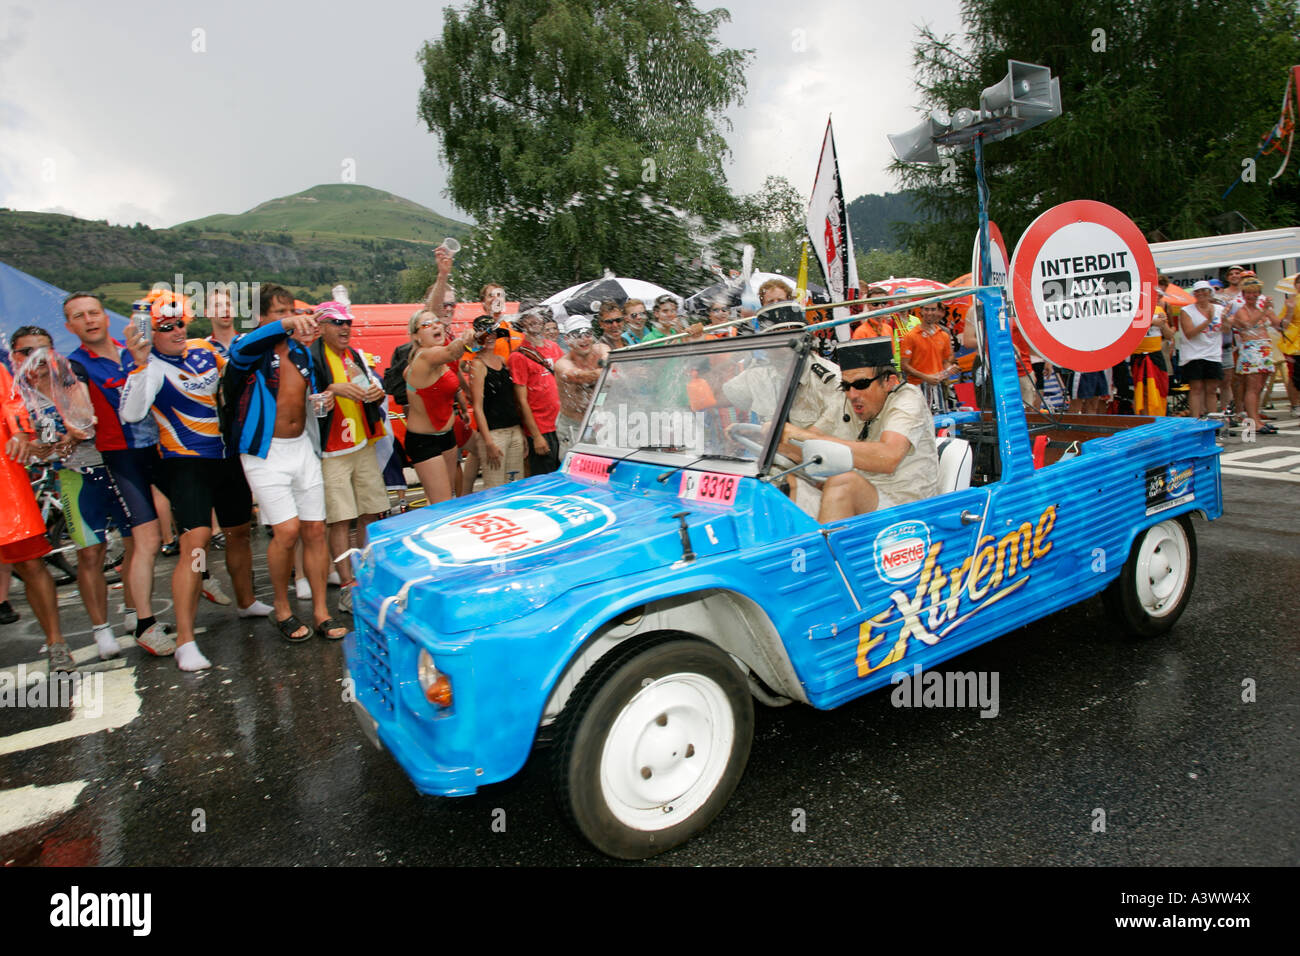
pixel 1163 565
pixel 667 751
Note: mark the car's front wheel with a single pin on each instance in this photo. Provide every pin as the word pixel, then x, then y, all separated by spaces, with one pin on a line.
pixel 652 746
pixel 1153 589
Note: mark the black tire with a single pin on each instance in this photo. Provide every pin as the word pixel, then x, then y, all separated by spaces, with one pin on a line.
pixel 61 568
pixel 1147 600
pixel 690 687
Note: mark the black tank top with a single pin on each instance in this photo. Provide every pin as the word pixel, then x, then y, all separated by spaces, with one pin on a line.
pixel 499 405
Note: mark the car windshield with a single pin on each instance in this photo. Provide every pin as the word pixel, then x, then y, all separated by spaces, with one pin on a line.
pixel 684 402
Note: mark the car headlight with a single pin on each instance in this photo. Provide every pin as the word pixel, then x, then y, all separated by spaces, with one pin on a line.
pixel 436 686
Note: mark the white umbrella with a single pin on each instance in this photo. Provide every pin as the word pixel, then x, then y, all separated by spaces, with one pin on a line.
pixel 584 298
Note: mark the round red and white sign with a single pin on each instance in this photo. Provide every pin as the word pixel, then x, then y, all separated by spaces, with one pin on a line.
pixel 1081 279
pixel 998 259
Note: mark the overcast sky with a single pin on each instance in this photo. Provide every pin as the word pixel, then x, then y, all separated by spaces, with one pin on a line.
pixel 108 111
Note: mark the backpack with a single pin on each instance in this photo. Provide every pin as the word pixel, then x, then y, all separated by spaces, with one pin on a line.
pixel 394 376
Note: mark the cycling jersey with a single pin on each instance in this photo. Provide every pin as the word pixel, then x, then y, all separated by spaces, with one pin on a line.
pixel 105 377
pixel 182 390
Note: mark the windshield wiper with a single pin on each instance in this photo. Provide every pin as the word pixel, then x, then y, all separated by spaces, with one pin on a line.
pixel 609 469
pixel 672 471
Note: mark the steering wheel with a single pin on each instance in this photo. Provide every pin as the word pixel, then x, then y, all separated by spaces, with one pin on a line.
pixel 749 436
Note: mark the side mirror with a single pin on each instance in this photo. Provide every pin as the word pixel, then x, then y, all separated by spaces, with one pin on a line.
pixel 836 459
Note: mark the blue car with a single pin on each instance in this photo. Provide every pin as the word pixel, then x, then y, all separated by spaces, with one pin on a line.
pixel 630 608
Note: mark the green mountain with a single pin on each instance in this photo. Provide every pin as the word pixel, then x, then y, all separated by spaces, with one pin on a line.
pixel 875 219
pixel 365 238
pixel 339 210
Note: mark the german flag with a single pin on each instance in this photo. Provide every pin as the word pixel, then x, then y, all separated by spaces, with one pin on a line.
pixel 1150 386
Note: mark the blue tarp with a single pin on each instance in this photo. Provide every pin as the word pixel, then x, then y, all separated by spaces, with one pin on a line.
pixel 26 300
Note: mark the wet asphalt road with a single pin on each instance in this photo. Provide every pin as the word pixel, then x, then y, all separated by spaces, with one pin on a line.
pixel 258 760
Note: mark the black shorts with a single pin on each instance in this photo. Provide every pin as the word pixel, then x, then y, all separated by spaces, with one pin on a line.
pixel 133 471
pixel 197 486
pixel 421 447
pixel 1198 370
pixel 544 464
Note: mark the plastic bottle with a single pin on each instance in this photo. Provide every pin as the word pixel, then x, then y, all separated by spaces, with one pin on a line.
pixel 355 373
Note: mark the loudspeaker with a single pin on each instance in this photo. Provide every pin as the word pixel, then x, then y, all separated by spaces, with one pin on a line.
pixel 1025 85
pixel 917 144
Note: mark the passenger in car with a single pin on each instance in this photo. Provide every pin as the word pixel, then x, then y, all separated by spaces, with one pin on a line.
pixel 894 456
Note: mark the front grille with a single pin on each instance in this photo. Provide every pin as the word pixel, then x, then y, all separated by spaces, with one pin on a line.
pixel 374 671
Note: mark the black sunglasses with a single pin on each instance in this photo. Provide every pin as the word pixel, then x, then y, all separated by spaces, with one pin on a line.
pixel 862 384
pixel 169 326
pixel 25 351
pixel 347 322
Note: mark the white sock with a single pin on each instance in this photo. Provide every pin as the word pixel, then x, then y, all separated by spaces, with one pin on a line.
pixel 304 589
pixel 256 609
pixel 333 578
pixel 190 658
pixel 129 620
pixel 106 642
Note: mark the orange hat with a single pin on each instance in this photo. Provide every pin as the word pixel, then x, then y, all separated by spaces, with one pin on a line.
pixel 165 304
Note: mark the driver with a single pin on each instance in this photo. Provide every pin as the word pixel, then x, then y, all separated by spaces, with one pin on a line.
pixel 894 456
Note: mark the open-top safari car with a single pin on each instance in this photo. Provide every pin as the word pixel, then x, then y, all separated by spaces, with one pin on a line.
pixel 630 608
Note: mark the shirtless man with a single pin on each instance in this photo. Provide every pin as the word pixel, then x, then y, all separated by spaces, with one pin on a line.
pixel 269 388
pixel 576 374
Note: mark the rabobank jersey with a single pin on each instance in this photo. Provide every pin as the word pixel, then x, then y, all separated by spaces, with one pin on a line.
pixel 105 378
pixel 182 390
pixel 223 350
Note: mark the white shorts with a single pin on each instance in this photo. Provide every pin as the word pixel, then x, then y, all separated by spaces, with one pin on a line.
pixel 287 483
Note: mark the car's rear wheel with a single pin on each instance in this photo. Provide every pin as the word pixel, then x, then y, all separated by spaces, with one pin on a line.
pixel 1153 589
pixel 652 746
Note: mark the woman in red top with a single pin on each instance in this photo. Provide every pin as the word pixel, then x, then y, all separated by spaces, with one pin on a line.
pixel 432 382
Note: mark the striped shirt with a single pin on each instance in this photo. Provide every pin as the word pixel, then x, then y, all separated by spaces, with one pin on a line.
pixel 182 391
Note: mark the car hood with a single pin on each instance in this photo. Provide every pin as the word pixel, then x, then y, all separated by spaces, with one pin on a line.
pixel 497 555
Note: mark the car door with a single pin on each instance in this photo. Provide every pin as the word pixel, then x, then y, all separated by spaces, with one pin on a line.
pixel 908 569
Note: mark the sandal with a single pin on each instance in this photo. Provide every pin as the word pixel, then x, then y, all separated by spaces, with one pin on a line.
pixel 1265 430
pixel 329 624
pixel 290 626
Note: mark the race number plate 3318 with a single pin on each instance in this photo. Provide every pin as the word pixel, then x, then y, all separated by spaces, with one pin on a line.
pixel 709 486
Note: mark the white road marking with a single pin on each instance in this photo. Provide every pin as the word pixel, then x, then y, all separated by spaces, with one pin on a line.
pixel 1274 464
pixel 1261 473
pixel 1256 452
pixel 120 705
pixel 29 805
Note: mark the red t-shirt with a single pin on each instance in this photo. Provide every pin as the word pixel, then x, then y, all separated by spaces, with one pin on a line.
pixel 543 391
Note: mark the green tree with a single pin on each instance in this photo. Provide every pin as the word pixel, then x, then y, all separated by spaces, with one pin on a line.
pixel 1161 99
pixel 772 221
pixel 583 135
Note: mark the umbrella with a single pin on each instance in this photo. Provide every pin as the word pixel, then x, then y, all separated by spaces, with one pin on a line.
pixel 895 286
pixel 733 290
pixel 1176 295
pixel 584 298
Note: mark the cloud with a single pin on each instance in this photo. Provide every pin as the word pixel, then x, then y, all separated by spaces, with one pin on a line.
pixel 135 123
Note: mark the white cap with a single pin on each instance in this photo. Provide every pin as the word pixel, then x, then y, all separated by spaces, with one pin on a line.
pixel 577 323
pixel 1202 285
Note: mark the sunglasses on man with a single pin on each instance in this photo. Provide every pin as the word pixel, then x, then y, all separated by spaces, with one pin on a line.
pixel 862 384
pixel 346 322
pixel 169 326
